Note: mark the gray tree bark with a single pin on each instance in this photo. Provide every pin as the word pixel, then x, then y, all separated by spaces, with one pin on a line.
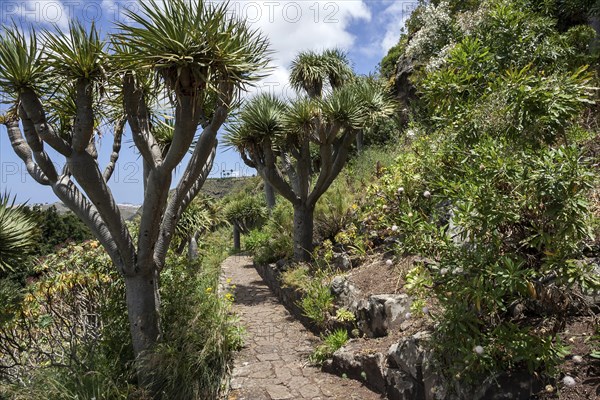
pixel 193 247
pixel 236 238
pixel 269 195
pixel 360 141
pixel 303 232
pixel 91 198
pixel 143 304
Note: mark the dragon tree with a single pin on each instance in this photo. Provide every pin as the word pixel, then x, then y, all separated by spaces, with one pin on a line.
pixel 181 64
pixel 299 147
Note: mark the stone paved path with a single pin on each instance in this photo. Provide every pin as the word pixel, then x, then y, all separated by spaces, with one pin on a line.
pixel 273 364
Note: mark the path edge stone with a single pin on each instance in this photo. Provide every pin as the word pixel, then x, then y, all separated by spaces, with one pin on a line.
pixel 287 296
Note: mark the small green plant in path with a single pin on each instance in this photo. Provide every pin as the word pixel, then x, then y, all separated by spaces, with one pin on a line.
pixel 331 342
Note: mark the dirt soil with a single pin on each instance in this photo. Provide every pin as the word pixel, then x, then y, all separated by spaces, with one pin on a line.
pixel 374 276
pixel 579 335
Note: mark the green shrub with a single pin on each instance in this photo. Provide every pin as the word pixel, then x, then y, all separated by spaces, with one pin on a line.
pixel 70 331
pixel 331 343
pixel 317 302
pixel 247 213
pixel 199 333
pixel 274 242
pixel 504 227
pixel 255 240
pixel 56 229
pixel 333 211
pixel 63 385
pixel 17 235
pixel 202 216
pixel 297 277
pixel 494 191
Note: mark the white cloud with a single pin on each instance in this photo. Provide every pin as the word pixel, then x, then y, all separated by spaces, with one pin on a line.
pixel 294 26
pixel 393 18
pixel 39 12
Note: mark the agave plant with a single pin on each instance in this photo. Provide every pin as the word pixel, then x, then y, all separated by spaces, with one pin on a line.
pixel 17 234
pixel 281 139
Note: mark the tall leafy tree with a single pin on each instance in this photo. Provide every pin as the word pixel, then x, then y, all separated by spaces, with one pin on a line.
pixel 188 59
pixel 300 147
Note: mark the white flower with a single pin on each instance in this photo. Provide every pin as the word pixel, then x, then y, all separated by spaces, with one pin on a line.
pixel 577 359
pixel 427 194
pixel 409 215
pixel 407 315
pixel 394 228
pixel 569 380
pixel 478 350
pixel 400 190
pixel 437 22
pixel 389 263
pixel 458 270
pixel 444 271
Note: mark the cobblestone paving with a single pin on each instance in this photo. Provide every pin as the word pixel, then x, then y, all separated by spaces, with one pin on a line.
pixel 273 363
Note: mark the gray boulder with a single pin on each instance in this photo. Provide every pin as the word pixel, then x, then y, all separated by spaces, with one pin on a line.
pixel 378 314
pixel 366 367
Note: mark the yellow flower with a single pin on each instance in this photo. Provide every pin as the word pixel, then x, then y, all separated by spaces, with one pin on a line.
pixel 228 281
pixel 229 297
pixel 208 290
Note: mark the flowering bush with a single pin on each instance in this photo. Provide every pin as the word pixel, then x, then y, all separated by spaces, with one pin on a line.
pixel 70 332
pixel 68 336
pixel 493 190
pixel 436 32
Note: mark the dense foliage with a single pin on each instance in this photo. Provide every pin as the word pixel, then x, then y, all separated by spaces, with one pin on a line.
pixel 494 187
pixel 56 229
pixel 62 336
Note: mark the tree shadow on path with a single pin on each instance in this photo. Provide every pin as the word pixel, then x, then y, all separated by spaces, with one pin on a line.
pixel 253 294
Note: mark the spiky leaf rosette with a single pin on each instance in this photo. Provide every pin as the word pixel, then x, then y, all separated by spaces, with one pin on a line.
pixel 312 71
pixel 192 45
pixel 17 234
pixel 21 63
pixel 261 117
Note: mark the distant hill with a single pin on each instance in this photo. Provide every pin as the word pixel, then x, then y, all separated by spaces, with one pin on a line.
pixel 221 187
pixel 127 210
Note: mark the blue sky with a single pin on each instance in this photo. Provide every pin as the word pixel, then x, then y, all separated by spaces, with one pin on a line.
pixel 364 29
